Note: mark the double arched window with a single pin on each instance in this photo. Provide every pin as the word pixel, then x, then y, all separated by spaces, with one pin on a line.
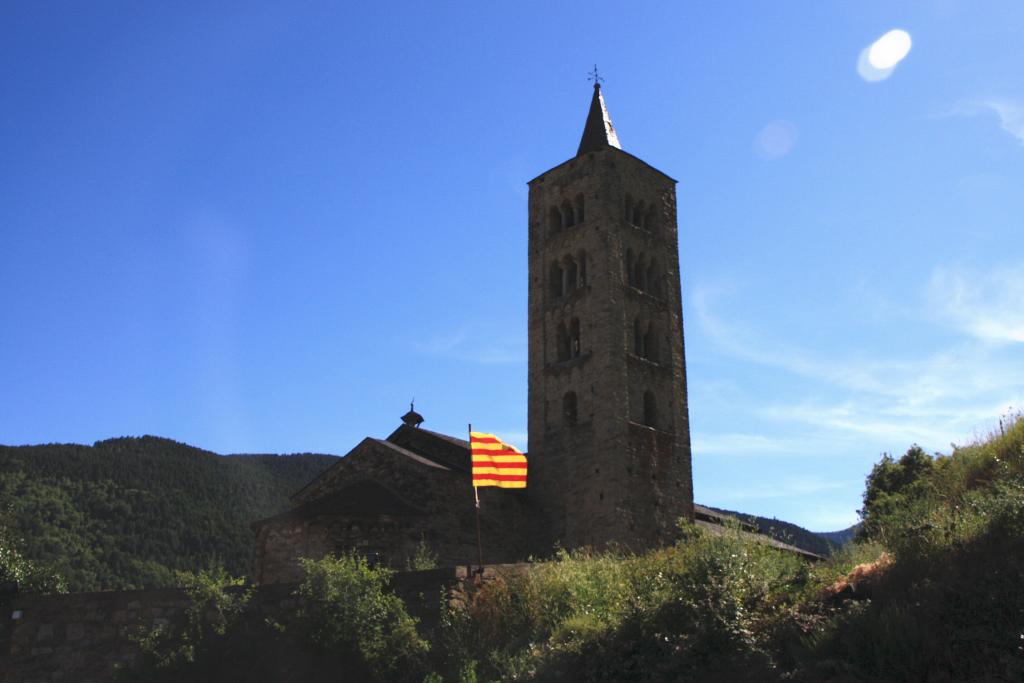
pixel 638 213
pixel 642 273
pixel 566 214
pixel 568 273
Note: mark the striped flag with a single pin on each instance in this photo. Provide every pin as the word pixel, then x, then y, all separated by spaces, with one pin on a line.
pixel 496 463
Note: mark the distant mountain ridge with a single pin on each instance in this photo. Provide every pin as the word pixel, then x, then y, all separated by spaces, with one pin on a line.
pixel 127 512
pixel 789 533
pixel 842 536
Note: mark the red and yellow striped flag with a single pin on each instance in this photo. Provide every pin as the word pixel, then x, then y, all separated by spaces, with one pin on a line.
pixel 496 463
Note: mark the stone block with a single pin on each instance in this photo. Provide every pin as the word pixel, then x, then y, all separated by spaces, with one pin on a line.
pixel 75 631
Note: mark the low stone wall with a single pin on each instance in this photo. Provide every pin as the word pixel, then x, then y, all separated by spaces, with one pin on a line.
pixel 86 636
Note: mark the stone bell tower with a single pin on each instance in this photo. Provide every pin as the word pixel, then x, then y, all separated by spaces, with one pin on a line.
pixel 608 420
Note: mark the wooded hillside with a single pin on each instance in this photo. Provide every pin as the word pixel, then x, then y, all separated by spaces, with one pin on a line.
pixel 127 512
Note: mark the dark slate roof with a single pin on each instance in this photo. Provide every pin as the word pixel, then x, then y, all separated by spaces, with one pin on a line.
pixel 441 449
pixel 608 149
pixel 366 498
pixel 715 521
pixel 409 454
pixel 715 517
pixel 598 132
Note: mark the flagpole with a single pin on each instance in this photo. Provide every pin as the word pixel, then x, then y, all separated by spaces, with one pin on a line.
pixel 476 495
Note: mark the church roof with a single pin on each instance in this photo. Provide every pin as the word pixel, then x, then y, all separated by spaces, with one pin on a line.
pixel 365 498
pixel 598 132
pixel 409 454
pixel 439 448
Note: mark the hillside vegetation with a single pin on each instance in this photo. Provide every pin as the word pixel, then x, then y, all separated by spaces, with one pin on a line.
pixel 128 512
pixel 930 591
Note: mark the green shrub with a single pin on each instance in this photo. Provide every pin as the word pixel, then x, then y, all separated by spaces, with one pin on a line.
pixel 22 575
pixel 348 609
pixel 424 557
pixel 693 609
pixel 191 645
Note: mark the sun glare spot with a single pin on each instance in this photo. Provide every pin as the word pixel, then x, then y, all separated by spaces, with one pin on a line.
pixel 775 140
pixel 878 60
pixel 889 50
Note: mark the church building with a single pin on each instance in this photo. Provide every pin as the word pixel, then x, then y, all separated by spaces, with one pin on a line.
pixel 609 459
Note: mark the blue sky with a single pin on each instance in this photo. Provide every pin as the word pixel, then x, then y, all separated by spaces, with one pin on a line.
pixel 253 227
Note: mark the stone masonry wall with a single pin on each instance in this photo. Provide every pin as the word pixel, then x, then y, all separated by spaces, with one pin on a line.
pixel 84 637
pixel 448 525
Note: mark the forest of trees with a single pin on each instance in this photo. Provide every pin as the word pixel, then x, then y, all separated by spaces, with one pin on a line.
pixel 128 512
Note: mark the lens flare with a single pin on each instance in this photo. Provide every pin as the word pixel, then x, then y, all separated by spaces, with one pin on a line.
pixel 878 60
pixel 890 49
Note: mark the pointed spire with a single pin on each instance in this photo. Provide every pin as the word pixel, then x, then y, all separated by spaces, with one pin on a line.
pixel 598 132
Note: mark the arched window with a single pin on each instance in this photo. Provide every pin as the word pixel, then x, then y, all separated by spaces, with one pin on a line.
pixel 651 219
pixel 631 269
pixel 650 343
pixel 650 410
pixel 567 215
pixel 555 281
pixel 651 284
pixel 628 208
pixel 579 208
pixel 554 220
pixel 581 259
pixel 574 338
pixel 572 273
pixel 637 218
pixel 569 408
pixel 562 343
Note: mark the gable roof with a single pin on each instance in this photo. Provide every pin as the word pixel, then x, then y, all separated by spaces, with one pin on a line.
pixel 364 498
pixel 409 454
pixel 442 449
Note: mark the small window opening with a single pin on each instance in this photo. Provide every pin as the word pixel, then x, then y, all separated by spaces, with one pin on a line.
pixel 567 215
pixel 574 337
pixel 650 343
pixel 562 351
pixel 650 410
pixel 637 218
pixel 651 278
pixel 579 208
pixel 554 220
pixel 556 282
pixel 572 274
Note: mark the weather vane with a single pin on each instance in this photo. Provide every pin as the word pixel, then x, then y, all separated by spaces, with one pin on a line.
pixel 595 77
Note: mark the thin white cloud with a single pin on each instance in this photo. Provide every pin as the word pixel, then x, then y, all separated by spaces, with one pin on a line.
pixel 1009 111
pixel 483 342
pixel 747 444
pixel 934 398
pixel 987 305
